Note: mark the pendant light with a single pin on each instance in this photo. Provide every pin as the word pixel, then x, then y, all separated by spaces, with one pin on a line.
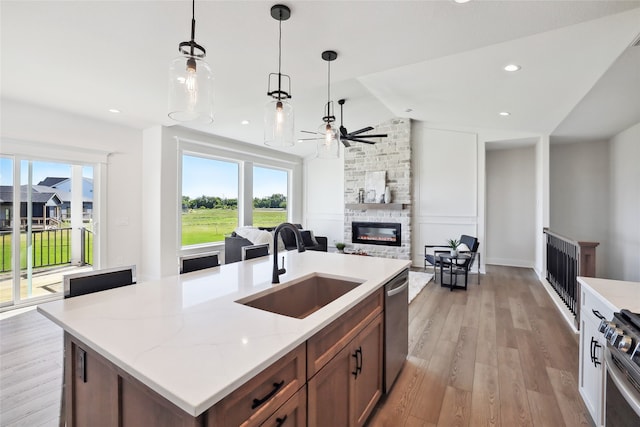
pixel 328 145
pixel 278 115
pixel 191 82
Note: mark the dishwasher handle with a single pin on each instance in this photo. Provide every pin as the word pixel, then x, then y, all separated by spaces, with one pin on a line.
pixel 399 289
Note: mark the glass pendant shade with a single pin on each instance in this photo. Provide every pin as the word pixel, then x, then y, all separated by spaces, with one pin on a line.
pixel 328 145
pixel 278 124
pixel 190 90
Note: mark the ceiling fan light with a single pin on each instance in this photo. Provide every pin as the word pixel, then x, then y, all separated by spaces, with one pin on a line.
pixel 278 124
pixel 190 90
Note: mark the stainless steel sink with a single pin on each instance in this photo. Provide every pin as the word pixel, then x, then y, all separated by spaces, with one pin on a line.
pixel 300 298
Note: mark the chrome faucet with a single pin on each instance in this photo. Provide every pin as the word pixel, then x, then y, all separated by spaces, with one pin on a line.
pixel 278 271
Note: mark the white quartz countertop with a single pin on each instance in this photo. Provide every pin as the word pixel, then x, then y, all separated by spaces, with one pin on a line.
pixel 186 338
pixel 617 294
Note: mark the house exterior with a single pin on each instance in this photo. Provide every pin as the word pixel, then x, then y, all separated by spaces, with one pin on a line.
pixel 46 207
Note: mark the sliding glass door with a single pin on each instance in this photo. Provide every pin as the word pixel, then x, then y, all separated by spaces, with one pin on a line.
pixel 46 225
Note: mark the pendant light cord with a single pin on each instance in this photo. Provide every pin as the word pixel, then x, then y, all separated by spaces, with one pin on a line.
pixel 280 57
pixel 193 24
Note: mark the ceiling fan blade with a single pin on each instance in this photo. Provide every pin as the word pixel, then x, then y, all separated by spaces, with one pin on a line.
pixel 345 142
pixel 380 135
pixel 362 140
pixel 367 129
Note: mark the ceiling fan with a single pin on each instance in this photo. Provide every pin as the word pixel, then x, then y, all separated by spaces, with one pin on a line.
pixel 355 136
pixel 346 136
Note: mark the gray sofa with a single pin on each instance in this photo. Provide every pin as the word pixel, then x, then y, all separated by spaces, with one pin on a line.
pixel 233 244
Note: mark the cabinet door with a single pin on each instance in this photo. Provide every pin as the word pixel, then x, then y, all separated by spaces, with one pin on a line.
pixel 93 391
pixel 367 385
pixel 329 403
pixel 591 368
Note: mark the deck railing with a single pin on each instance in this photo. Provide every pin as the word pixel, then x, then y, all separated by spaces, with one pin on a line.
pixel 566 260
pixel 48 248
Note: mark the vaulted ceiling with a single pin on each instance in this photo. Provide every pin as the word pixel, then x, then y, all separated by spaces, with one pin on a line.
pixel 435 61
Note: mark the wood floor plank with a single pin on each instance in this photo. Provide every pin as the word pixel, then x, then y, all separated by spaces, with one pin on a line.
pixel 464 359
pixel 532 360
pixel 453 323
pixel 486 350
pixel 485 399
pixel 514 405
pixel 434 384
pixel 456 408
pixel 519 314
pixel 544 409
pixel 572 407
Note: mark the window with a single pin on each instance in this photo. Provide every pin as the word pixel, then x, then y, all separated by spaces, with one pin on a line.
pixel 269 196
pixel 209 199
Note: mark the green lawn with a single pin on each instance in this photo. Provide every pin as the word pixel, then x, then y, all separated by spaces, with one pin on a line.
pixel 211 225
pixel 50 247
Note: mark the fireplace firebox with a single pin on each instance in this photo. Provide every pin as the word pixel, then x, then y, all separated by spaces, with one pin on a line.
pixel 376 233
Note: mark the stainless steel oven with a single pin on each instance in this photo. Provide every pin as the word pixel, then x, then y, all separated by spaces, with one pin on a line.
pixel 622 399
pixel 622 362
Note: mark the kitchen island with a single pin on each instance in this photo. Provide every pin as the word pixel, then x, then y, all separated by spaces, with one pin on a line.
pixel 186 340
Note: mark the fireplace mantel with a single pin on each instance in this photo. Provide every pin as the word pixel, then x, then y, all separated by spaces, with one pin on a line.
pixel 365 206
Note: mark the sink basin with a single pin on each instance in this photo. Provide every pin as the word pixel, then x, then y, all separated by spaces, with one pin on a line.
pixel 300 298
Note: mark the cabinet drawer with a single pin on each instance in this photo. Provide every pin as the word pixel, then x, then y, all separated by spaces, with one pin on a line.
pixel 256 400
pixel 324 345
pixel 292 414
pixel 593 307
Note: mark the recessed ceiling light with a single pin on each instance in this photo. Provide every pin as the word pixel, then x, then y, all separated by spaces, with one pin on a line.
pixel 461 1
pixel 244 122
pixel 114 110
pixel 505 113
pixel 512 67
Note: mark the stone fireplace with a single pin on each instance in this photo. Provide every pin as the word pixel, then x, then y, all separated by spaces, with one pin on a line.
pixel 392 155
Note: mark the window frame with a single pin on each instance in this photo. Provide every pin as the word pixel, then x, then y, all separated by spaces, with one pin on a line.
pixel 246 160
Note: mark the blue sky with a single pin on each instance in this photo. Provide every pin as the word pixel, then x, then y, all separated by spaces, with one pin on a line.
pixel 219 178
pixel 41 170
pixel 200 176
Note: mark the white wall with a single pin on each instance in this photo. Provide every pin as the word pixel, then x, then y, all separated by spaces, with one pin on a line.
pixel 510 207
pixel 324 197
pixel 579 175
pixel 52 128
pixel 445 186
pixel 623 255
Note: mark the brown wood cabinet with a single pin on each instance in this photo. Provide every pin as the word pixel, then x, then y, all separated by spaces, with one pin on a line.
pixel 261 396
pixel 345 391
pixel 333 379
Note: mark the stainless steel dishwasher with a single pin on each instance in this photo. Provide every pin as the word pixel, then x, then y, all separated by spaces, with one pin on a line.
pixel 396 327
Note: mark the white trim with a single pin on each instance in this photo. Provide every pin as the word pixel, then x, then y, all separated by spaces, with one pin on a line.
pixel 510 262
pixel 63 153
pixel 233 152
pixel 562 308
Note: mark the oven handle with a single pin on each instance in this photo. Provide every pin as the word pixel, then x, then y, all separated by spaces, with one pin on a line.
pixel 627 391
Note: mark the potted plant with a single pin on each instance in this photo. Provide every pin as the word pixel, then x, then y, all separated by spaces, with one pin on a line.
pixel 453 244
pixel 340 247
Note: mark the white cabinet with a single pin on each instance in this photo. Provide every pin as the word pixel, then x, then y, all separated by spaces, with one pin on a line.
pixel 592 345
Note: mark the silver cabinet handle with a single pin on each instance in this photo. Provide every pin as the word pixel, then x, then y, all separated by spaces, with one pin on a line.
pixel 397 290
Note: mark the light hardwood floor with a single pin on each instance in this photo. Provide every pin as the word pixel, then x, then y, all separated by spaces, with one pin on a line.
pixel 498 354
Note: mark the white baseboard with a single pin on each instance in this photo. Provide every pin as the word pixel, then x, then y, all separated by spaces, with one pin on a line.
pixel 560 305
pixel 510 262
